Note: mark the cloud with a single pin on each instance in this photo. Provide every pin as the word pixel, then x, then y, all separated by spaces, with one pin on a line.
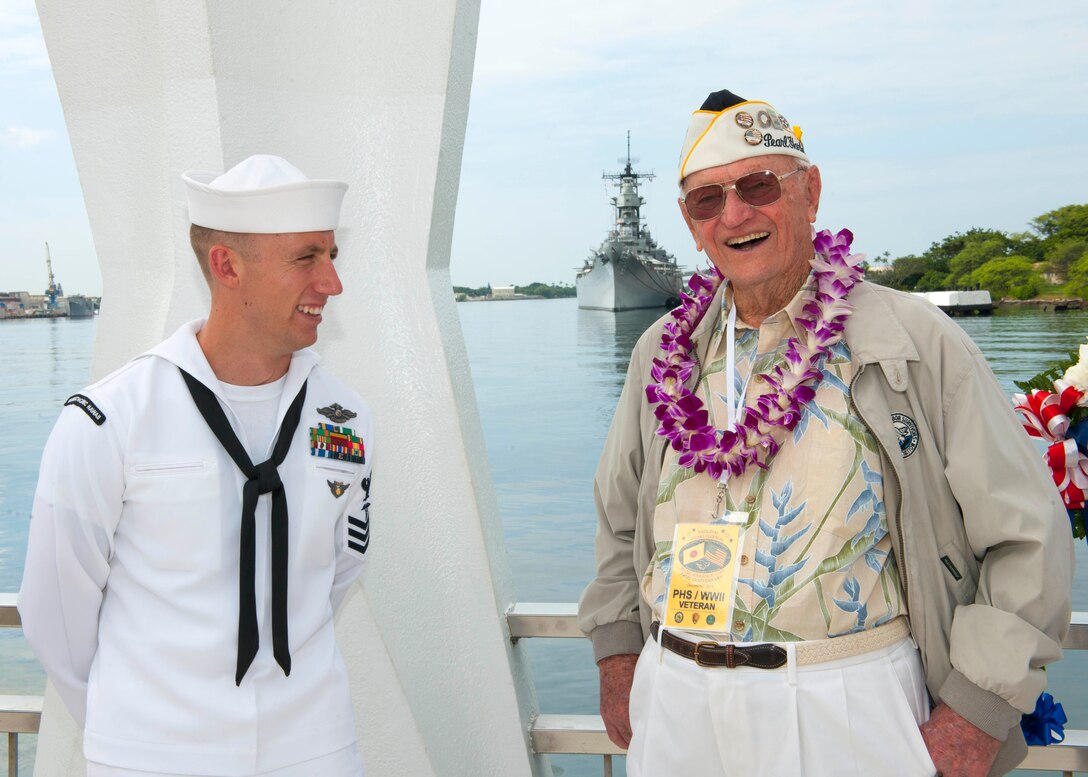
pixel 526 43
pixel 920 113
pixel 23 54
pixel 25 137
pixel 17 13
pixel 551 78
pixel 22 48
pixel 898 59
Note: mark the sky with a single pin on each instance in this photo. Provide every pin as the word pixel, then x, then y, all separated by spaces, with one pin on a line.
pixel 926 118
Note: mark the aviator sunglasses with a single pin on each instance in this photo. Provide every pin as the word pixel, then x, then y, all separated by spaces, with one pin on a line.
pixel 755 189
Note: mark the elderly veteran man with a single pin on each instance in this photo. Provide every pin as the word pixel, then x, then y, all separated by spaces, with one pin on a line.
pixel 202 511
pixel 817 509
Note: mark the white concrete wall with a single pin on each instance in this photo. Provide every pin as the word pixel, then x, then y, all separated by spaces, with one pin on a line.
pixel 374 93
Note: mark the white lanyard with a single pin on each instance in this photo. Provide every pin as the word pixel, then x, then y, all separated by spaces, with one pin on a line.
pixel 733 403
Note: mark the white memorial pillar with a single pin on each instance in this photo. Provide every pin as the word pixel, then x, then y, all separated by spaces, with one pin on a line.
pixel 374 92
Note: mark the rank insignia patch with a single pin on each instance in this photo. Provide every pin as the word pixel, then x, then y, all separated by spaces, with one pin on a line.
pixel 88 407
pixel 336 413
pixel 336 442
pixel 338 489
pixel 359 531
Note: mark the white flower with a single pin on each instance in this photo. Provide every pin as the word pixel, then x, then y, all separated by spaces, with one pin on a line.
pixel 1077 375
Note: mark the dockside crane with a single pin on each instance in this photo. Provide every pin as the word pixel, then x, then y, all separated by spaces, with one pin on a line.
pixel 53 290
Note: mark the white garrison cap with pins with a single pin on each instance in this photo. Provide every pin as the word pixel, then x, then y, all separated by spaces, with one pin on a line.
pixel 263 194
pixel 728 128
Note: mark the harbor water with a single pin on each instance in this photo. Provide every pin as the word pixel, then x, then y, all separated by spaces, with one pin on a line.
pixel 547 376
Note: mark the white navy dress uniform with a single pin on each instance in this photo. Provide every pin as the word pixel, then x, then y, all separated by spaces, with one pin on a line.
pixel 130 595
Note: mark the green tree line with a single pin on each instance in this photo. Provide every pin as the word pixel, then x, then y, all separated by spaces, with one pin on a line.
pixel 1050 259
pixel 547 290
pixel 535 289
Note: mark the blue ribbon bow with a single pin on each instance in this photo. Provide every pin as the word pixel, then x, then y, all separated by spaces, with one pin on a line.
pixel 1046 725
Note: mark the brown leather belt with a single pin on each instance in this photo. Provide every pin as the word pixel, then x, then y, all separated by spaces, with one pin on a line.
pixel 729 656
pixel 769 656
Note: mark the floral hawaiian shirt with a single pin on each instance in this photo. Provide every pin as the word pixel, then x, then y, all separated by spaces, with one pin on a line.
pixel 815 557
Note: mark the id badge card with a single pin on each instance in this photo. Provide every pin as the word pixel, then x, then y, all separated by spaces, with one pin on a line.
pixel 703 574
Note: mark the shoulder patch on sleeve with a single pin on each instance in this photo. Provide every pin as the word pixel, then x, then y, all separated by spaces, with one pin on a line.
pixel 88 407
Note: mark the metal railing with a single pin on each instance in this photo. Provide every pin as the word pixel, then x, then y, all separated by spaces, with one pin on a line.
pixel 559 734
pixel 585 734
pixel 18 714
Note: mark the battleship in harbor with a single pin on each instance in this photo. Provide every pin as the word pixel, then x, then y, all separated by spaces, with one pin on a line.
pixel 629 270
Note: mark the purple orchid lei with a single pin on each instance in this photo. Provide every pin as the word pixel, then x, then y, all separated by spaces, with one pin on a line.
pixel 759 431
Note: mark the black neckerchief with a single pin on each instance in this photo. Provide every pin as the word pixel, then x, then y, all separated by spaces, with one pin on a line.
pixel 263 478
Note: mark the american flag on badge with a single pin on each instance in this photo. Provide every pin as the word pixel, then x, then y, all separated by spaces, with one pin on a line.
pixel 715 554
pixel 704 555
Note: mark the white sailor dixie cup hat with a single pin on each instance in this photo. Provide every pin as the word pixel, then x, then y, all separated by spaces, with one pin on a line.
pixel 727 128
pixel 263 194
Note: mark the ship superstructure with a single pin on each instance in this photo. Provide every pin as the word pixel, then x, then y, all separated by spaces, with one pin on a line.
pixel 629 270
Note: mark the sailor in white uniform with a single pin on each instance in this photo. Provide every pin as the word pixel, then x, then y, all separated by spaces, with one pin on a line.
pixel 202 511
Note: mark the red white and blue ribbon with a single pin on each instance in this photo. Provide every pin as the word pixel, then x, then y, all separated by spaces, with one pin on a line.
pixel 1045 416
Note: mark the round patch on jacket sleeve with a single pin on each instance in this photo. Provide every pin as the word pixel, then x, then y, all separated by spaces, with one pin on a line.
pixel 907 433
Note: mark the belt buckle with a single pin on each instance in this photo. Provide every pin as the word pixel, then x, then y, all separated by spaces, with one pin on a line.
pixel 698 658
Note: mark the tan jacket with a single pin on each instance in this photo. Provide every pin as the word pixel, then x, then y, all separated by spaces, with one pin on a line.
pixel 979 531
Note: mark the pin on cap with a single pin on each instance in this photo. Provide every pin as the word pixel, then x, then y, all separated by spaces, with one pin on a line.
pixel 263 194
pixel 728 128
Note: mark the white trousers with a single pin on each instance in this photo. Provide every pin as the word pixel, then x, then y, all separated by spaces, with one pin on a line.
pixel 854 717
pixel 343 763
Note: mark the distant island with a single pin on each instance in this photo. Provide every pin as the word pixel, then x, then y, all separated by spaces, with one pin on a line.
pixel 534 290
pixel 1048 262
